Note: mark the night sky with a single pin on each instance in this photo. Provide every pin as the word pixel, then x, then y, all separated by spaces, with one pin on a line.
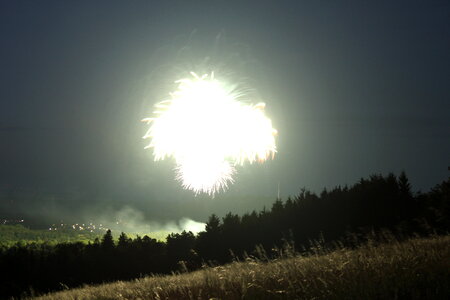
pixel 353 87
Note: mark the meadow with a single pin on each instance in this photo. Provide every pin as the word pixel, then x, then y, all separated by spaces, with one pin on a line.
pixel 14 234
pixel 417 268
pixel 11 235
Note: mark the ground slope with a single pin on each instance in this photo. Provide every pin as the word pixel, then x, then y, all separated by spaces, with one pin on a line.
pixel 413 269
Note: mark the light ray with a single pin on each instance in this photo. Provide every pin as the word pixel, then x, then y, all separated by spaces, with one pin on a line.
pixel 209 132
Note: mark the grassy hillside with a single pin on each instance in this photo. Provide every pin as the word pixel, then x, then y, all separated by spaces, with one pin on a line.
pixel 12 234
pixel 413 269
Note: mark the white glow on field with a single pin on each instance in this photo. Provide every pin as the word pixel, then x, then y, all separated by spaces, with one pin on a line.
pixel 208 131
pixel 191 225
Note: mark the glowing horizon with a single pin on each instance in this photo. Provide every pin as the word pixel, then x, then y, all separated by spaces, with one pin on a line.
pixel 209 132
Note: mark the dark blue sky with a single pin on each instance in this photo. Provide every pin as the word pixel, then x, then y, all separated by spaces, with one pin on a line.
pixel 354 88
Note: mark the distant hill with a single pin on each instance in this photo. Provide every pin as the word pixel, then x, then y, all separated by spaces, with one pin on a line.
pixel 12 234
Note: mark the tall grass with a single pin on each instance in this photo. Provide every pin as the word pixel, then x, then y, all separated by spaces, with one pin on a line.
pixel 413 269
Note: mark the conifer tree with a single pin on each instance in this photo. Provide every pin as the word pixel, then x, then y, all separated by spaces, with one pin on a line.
pixel 107 240
pixel 404 185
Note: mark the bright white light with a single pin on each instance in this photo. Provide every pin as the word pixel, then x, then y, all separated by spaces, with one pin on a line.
pixel 208 131
pixel 191 225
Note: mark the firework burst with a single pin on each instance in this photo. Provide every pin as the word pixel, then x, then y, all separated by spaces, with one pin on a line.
pixel 209 131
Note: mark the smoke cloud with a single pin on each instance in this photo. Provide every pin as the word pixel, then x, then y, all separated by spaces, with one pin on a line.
pixel 130 220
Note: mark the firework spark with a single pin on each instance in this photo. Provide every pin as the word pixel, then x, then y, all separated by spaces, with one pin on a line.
pixel 209 131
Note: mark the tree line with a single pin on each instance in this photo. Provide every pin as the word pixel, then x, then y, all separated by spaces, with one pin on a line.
pixel 340 214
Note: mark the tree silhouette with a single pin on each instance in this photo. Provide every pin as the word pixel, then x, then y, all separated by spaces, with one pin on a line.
pixel 404 185
pixel 124 241
pixel 372 204
pixel 107 240
pixel 180 248
pixel 209 242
